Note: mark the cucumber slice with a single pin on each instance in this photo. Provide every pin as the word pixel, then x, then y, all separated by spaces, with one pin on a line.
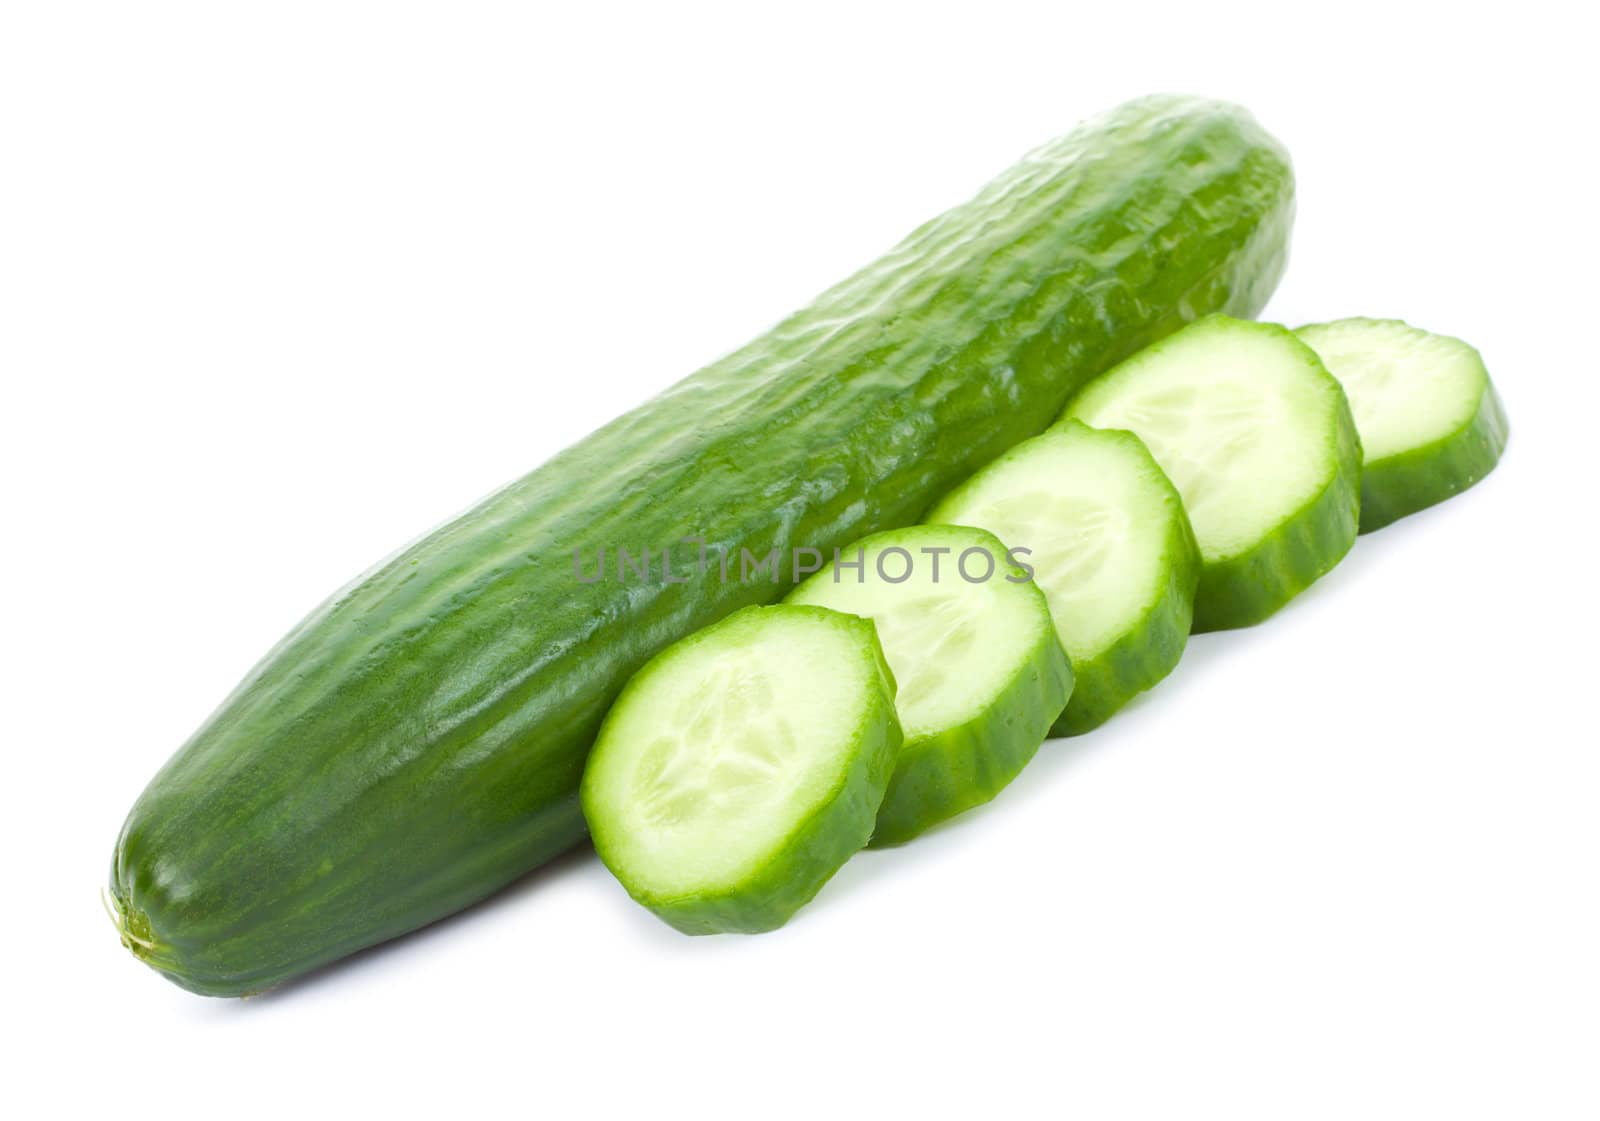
pixel 980 672
pixel 1111 547
pixel 1258 438
pixel 1431 423
pixel 740 768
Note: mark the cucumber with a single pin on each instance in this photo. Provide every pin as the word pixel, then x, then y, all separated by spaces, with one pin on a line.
pixel 1259 440
pixel 1430 420
pixel 741 767
pixel 980 671
pixel 417 742
pixel 1110 546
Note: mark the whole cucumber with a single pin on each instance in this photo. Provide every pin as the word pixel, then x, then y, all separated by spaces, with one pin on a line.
pixel 417 741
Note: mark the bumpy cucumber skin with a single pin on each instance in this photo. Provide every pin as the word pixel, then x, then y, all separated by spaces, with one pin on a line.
pixel 416 743
pixel 1399 485
pixel 940 775
pixel 819 845
pixel 1249 587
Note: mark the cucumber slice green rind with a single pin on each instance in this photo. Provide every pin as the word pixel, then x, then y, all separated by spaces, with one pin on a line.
pixel 1403 482
pixel 1245 581
pixel 1248 589
pixel 951 761
pixel 950 772
pixel 779 877
pixel 1148 638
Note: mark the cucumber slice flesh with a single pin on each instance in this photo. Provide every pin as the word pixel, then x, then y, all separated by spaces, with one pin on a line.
pixel 1111 548
pixel 740 768
pixel 1259 440
pixel 1430 420
pixel 981 673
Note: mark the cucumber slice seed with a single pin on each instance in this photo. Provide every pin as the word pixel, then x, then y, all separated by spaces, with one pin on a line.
pixel 741 767
pixel 1111 548
pixel 1430 420
pixel 981 673
pixel 1259 440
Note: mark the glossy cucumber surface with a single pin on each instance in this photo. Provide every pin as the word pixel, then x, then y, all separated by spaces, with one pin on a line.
pixel 417 741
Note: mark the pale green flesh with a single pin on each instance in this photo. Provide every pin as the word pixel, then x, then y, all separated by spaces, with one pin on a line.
pixel 1239 415
pixel 716 754
pixel 954 644
pixel 1094 518
pixel 1407 388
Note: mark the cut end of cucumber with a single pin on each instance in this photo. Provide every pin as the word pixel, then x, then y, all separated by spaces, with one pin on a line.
pixel 1259 440
pixel 970 640
pixel 1430 420
pixel 741 767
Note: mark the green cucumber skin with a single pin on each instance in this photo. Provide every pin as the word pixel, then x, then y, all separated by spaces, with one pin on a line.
pixel 937 777
pixel 1400 485
pixel 417 742
pixel 1142 658
pixel 822 843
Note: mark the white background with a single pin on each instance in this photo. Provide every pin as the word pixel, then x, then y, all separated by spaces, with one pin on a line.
pixel 283 284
